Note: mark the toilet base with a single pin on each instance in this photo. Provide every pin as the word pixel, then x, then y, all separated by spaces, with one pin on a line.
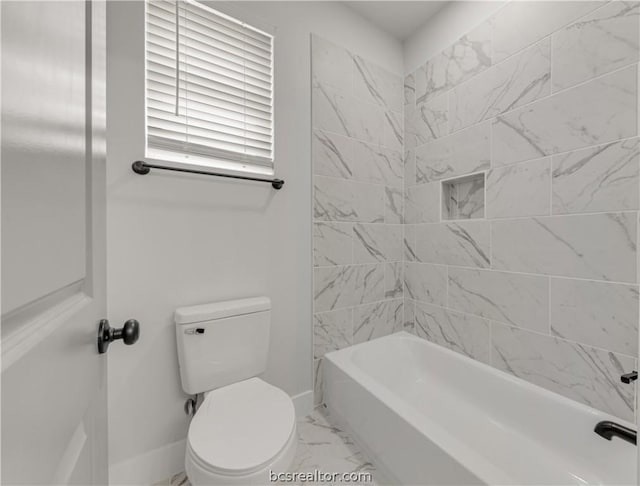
pixel 200 476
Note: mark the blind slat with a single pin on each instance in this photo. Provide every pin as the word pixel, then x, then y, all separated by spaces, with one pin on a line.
pixel 210 92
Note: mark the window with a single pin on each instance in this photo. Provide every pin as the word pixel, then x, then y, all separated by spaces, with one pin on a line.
pixel 209 87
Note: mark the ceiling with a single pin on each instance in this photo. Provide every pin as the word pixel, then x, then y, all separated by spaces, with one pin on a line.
pixel 398 18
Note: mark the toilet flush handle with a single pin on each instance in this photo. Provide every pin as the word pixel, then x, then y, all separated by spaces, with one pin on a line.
pixel 129 334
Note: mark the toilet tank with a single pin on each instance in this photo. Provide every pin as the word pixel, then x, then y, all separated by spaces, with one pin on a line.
pixel 222 342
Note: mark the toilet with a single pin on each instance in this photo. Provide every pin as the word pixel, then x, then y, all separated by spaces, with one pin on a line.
pixel 245 428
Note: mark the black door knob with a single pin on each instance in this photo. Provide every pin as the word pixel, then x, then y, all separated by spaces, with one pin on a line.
pixel 129 334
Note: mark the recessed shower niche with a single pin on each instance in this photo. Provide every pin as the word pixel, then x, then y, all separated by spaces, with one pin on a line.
pixel 463 197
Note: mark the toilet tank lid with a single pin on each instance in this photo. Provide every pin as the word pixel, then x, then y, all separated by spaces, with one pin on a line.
pixel 220 310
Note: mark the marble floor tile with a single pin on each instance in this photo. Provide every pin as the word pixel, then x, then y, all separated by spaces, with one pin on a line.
pixel 321 446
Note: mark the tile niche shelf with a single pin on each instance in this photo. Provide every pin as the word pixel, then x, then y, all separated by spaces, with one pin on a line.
pixel 463 197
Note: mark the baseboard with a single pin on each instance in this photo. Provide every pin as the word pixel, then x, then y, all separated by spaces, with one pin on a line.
pixel 303 402
pixel 150 467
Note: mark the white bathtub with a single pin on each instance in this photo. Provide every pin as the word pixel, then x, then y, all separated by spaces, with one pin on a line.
pixel 427 415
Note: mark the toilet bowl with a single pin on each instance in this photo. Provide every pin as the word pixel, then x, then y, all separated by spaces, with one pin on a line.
pixel 245 428
pixel 241 433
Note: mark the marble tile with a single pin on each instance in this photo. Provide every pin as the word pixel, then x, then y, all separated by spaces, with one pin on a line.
pixel 372 163
pixel 377 243
pixel 598 43
pixel 332 155
pixel 468 56
pixel 600 111
pixel 465 243
pixel 422 203
pixel 463 198
pixel 519 190
pixel 393 280
pixel 393 205
pixel 331 64
pixel 597 246
pixel 333 287
pixel 395 315
pixel 331 331
pixel 368 283
pixel 375 320
pixel 519 80
pixel 393 130
pixel 579 372
pixel 427 121
pixel 409 168
pixel 373 84
pixel 462 333
pixel 409 242
pixel 336 112
pixel 332 243
pixel 519 300
pixel 603 178
pixel 511 33
pixel 425 282
pixel 410 89
pixel 596 313
pixel 463 152
pixel 409 316
pixel 317 382
pixel 342 200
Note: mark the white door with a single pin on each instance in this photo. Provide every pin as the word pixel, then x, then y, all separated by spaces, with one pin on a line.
pixel 54 420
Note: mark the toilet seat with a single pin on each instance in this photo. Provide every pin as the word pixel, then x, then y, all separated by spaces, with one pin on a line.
pixel 241 428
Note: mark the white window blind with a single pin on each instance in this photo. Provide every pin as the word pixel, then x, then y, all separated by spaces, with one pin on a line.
pixel 209 88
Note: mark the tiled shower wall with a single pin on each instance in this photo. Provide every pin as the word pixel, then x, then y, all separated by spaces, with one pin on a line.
pixel 358 195
pixel 541 283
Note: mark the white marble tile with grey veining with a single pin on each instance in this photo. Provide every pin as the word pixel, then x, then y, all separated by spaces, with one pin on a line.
pixel 427 121
pixel 426 282
pixel 579 372
pixel 376 164
pixel 393 205
pixel 409 168
pixel 603 178
pixel 463 198
pixel 468 335
pixel 599 111
pixel 332 154
pixel 393 130
pixel 374 84
pixel 336 112
pixel 519 80
pixel 368 283
pixel 377 243
pixel 519 300
pixel 343 200
pixel 334 287
pixel 393 280
pixel 463 152
pixel 422 203
pixel 332 243
pixel 409 242
pixel 395 313
pixel 331 64
pixel 465 243
pixel 331 331
pixel 520 24
pixel 600 42
pixel 375 320
pixel 317 382
pixel 409 308
pixel 596 246
pixel 519 190
pixel 467 57
pixel 596 313
pixel 410 89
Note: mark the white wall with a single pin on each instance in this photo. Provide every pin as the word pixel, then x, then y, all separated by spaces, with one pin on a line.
pixel 179 240
pixel 444 28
